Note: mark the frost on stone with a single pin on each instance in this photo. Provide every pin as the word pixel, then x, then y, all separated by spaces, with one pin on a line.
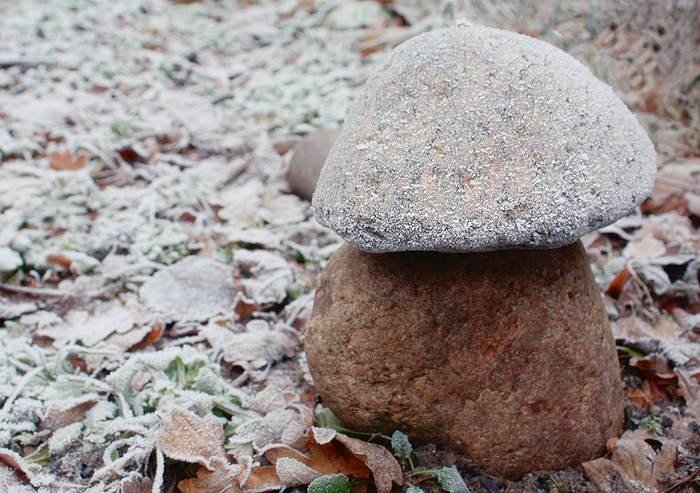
pixel 451 481
pixel 193 289
pixel 268 275
pixel 475 139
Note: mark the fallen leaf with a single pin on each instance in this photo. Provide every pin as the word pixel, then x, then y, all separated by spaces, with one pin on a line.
pixel 192 289
pixel 63 413
pixel 381 462
pixel 152 336
pixel 16 463
pixel 618 283
pixel 633 462
pixel 59 260
pixel 656 368
pixel 191 438
pixel 646 395
pixel 224 477
pixel 355 458
pixel 607 476
pixel 690 389
pixel 640 461
pixel 263 479
pixel 65 161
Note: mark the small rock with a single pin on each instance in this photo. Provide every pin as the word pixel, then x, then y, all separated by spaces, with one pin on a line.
pixel 309 155
pixel 354 15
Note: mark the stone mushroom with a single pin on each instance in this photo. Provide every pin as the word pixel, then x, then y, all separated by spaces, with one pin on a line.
pixel 463 310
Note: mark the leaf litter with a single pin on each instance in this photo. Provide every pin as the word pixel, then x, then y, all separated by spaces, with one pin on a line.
pixel 156 275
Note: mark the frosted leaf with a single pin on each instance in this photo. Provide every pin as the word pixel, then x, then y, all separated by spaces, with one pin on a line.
pixel 92 327
pixel 192 289
pixel 451 481
pixel 401 446
pixel 323 435
pixel 475 139
pixel 241 203
pixel 258 346
pixel 414 489
pixel 380 461
pixel 261 432
pixel 64 437
pixel 270 275
pixel 191 438
pixel 330 483
pixel 8 311
pixel 9 260
pixel 294 473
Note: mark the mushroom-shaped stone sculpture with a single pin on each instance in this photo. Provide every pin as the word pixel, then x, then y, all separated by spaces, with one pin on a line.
pixel 465 312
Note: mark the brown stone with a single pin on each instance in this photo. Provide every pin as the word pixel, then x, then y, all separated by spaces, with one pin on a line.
pixel 504 357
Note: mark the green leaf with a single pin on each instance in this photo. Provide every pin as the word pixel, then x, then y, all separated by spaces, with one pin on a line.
pixel 326 419
pixel 401 446
pixel 414 489
pixel 451 481
pixel 330 483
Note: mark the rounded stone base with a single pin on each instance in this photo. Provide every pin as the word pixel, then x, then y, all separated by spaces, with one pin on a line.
pixel 504 357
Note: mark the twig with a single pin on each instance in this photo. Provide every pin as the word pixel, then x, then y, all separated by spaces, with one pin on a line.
pixel 58 293
pixel 680 484
pixel 36 291
pixel 677 184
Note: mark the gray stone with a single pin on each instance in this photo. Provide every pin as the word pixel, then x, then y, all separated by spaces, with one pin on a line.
pixel 504 357
pixel 309 155
pixel 476 139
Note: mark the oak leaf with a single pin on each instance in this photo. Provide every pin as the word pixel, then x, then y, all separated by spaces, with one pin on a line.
pixel 191 438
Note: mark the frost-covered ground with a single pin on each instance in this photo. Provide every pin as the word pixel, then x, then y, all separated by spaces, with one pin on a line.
pixel 154 264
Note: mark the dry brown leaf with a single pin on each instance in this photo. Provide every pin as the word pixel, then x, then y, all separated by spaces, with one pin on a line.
pixel 15 462
pixel 65 161
pixel 152 336
pixel 607 476
pixel 191 438
pixel 634 454
pixel 263 479
pixel 690 389
pixel 295 473
pixel 633 460
pixel 59 260
pixel 656 368
pixel 381 462
pixel 324 459
pixel 58 415
pixel 224 477
pixel 646 395
pixel 330 452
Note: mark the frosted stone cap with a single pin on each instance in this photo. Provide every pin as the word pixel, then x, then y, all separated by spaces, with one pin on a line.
pixel 473 139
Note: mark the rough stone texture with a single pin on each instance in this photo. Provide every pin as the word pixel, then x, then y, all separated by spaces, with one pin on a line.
pixel 476 139
pixel 504 357
pixel 309 155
